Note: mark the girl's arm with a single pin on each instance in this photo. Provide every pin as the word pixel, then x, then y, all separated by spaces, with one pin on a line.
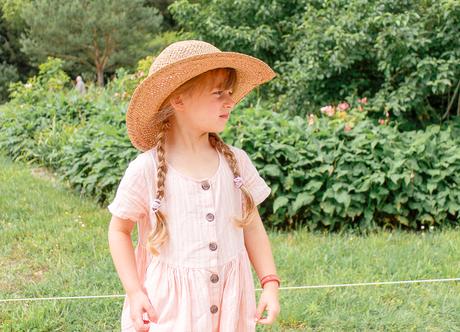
pixel 123 257
pixel 259 250
pixel 260 254
pixel 122 251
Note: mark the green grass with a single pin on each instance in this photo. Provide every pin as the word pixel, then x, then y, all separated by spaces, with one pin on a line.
pixel 54 243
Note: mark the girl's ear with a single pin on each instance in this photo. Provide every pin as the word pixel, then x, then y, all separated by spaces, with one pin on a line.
pixel 177 102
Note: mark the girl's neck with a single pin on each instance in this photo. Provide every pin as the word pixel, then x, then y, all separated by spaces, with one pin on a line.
pixel 200 163
pixel 186 143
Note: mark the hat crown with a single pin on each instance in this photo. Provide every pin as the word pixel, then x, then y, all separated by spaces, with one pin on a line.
pixel 181 50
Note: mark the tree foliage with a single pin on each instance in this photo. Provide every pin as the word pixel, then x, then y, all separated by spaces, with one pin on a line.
pixel 13 63
pixel 95 34
pixel 403 55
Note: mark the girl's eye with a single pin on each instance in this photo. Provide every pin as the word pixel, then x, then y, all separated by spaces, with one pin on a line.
pixel 220 92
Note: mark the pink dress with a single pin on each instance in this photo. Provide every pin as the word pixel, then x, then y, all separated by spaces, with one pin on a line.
pixel 202 279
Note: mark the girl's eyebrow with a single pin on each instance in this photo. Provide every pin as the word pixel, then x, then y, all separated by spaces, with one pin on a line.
pixel 221 87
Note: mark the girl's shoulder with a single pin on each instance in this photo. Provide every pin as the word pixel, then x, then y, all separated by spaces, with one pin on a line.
pixel 143 163
pixel 238 152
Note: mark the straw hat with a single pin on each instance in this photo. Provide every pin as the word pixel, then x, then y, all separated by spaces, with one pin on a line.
pixel 175 65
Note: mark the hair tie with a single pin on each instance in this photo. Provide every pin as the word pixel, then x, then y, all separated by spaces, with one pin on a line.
pixel 156 205
pixel 238 181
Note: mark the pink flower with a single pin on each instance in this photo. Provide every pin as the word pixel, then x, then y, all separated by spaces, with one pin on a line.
pixel 382 121
pixel 311 119
pixel 347 127
pixel 363 100
pixel 328 110
pixel 343 106
pixel 360 108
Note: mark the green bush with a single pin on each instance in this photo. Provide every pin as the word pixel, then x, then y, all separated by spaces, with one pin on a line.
pixel 338 169
pixel 8 73
pixel 349 171
pixel 75 135
pixel 403 55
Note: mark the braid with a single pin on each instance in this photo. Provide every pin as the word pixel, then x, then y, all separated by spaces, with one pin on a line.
pixel 160 235
pixel 248 201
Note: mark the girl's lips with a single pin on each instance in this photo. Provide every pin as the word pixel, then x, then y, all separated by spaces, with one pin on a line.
pixel 224 116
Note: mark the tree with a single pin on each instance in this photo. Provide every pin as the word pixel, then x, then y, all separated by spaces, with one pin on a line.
pixel 402 55
pixel 14 65
pixel 162 5
pixel 96 34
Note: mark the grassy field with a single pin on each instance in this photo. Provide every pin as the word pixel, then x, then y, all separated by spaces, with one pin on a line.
pixel 54 243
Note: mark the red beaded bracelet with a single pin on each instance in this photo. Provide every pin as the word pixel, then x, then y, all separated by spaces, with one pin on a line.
pixel 270 277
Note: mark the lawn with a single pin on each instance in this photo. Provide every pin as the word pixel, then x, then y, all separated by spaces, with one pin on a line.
pixel 54 243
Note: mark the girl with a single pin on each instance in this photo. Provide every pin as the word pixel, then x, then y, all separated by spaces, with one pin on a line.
pixel 194 199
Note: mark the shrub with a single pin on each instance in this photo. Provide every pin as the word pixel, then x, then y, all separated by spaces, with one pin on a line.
pixel 8 73
pixel 403 55
pixel 73 134
pixel 349 171
pixel 335 169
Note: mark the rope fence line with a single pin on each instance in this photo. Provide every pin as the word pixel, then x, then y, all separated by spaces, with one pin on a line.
pixel 281 288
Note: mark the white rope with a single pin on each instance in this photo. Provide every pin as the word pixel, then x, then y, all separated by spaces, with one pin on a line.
pixel 281 288
pixel 372 283
pixel 60 298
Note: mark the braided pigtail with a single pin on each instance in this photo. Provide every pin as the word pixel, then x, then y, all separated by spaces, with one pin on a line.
pixel 159 235
pixel 248 202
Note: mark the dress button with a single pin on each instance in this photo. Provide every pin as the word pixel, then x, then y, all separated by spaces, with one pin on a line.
pixel 212 246
pixel 214 278
pixel 205 185
pixel 210 217
pixel 214 308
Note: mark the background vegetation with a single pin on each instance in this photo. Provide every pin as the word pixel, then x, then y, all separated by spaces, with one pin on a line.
pixel 403 55
pixel 358 133
pixel 54 243
pixel 342 169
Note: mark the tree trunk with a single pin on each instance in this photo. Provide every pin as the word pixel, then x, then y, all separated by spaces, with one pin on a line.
pixel 100 76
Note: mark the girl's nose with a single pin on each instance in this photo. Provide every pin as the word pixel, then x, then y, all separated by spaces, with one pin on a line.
pixel 229 102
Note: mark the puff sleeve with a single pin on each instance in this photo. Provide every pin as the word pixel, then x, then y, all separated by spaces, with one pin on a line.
pixel 252 179
pixel 131 198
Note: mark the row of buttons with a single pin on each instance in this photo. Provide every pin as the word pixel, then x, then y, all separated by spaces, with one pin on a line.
pixel 212 246
pixel 214 278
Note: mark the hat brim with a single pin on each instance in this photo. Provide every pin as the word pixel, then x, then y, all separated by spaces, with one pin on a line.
pixel 153 90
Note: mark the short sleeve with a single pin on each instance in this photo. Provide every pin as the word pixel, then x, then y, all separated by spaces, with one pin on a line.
pixel 252 179
pixel 131 197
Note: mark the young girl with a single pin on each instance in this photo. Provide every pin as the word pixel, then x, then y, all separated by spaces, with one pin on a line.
pixel 194 199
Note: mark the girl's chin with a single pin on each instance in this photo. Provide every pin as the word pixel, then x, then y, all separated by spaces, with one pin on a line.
pixel 219 129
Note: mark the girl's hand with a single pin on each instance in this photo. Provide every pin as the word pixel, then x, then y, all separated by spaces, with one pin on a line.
pixel 268 300
pixel 140 304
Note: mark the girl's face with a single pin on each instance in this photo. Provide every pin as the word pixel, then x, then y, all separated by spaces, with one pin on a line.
pixel 208 108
